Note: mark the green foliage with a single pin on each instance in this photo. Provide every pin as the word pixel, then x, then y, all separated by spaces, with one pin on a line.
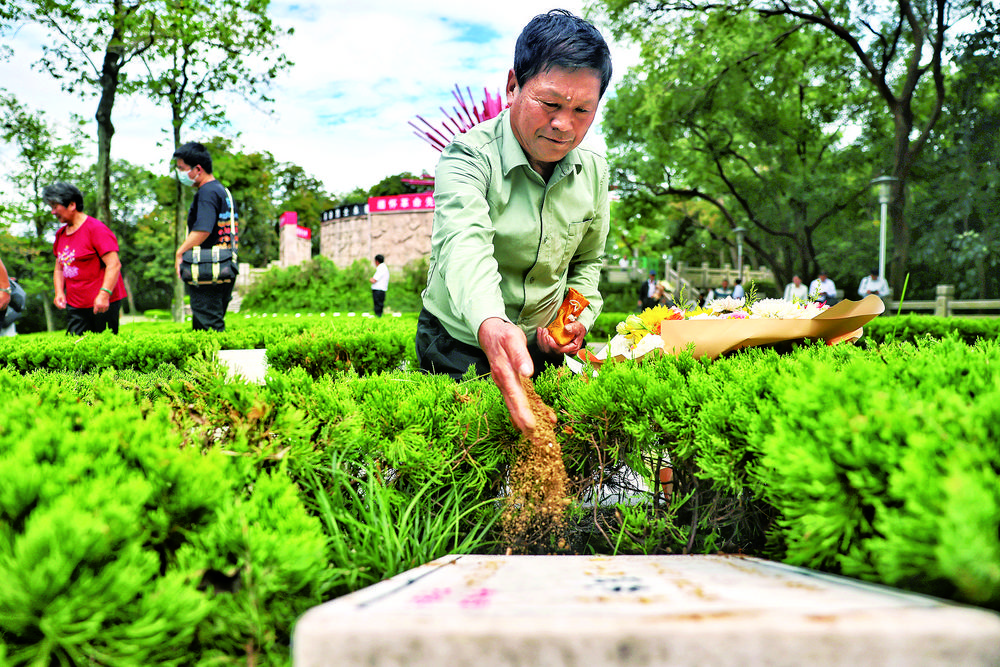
pixel 778 115
pixel 779 167
pixel 265 561
pixel 94 505
pixel 319 285
pixel 320 345
pixel 376 531
pixel 372 345
pixel 914 328
pixel 889 474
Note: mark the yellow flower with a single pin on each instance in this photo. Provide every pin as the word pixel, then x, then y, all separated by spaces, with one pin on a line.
pixel 633 328
pixel 652 317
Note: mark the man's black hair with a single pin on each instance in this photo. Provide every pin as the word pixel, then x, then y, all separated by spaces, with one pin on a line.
pixel 63 193
pixel 559 39
pixel 194 155
pixel 380 259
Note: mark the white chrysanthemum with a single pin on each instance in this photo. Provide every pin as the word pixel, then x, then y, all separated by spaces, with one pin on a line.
pixel 775 309
pixel 727 305
pixel 619 347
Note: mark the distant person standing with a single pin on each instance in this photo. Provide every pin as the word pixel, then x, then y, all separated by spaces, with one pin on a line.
pixel 738 292
pixel 87 276
pixel 723 292
pixel 211 221
pixel 647 292
pixel 823 289
pixel 873 284
pixel 380 284
pixel 796 290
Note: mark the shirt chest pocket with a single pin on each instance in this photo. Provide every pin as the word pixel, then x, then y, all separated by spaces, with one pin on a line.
pixel 571 241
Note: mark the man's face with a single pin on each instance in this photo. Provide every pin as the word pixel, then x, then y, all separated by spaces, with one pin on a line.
pixel 193 172
pixel 796 280
pixel 552 112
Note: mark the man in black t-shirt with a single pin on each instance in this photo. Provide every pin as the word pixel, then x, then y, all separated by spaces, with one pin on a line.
pixel 210 222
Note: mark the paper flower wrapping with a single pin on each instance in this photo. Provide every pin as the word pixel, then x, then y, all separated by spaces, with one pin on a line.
pixel 732 324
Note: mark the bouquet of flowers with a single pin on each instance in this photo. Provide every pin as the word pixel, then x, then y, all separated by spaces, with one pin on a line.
pixel 730 324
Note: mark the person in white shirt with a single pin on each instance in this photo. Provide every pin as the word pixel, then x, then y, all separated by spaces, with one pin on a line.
pixel 873 284
pixel 380 284
pixel 738 291
pixel 796 290
pixel 823 289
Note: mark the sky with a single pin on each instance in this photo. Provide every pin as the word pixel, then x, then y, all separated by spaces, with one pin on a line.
pixel 362 71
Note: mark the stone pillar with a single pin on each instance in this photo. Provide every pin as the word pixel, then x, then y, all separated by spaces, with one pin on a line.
pixel 944 295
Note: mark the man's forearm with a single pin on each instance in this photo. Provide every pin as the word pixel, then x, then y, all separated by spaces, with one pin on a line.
pixel 193 239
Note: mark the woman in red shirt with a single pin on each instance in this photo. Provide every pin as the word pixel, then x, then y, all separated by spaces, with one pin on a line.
pixel 87 276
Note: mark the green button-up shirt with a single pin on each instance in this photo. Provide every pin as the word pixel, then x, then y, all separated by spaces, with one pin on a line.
pixel 507 244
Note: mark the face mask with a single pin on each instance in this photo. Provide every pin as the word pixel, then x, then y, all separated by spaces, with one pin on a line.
pixel 185 177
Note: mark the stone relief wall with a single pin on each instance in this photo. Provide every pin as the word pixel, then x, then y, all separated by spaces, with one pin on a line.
pixel 400 236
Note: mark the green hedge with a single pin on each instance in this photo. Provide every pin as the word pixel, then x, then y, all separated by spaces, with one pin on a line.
pixel 319 344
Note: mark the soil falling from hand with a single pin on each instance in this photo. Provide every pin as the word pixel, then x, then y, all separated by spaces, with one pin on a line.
pixel 534 516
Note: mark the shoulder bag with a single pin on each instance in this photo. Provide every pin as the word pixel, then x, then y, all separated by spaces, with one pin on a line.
pixel 218 264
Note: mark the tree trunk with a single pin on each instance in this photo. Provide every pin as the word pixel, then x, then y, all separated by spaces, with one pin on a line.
pixel 105 129
pixel 899 258
pixel 129 296
pixel 180 226
pixel 180 233
pixel 50 320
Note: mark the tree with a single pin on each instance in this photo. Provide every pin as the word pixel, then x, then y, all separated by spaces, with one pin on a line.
pixel 133 202
pixel 957 189
pixel 898 48
pixel 192 49
pixel 42 158
pixel 745 117
pixel 92 43
pixel 211 52
pixel 298 191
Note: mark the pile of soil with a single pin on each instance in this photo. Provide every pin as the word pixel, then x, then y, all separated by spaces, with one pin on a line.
pixel 534 517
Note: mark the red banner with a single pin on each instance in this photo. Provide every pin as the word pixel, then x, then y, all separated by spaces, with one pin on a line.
pixel 416 202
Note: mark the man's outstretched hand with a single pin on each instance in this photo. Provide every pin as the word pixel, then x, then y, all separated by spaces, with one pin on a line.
pixel 506 347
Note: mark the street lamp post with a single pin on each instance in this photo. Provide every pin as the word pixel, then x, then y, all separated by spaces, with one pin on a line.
pixel 884 184
pixel 740 233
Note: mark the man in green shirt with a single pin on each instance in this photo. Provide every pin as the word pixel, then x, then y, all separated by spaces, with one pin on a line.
pixel 521 214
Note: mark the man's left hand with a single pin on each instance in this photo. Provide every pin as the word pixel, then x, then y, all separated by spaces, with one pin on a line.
pixel 548 344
